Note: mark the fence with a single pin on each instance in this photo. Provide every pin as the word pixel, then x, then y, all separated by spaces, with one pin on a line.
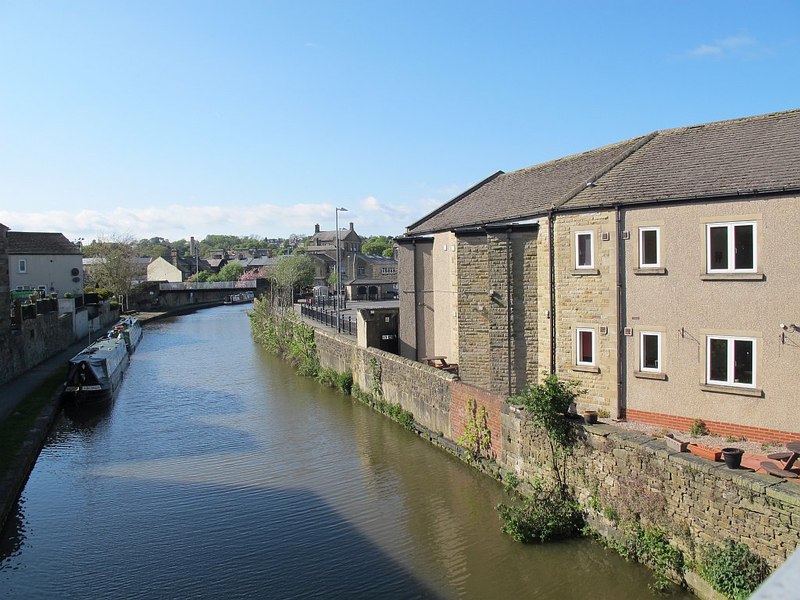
pixel 328 317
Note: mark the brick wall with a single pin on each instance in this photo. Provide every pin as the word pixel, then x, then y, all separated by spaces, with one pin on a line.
pixel 460 394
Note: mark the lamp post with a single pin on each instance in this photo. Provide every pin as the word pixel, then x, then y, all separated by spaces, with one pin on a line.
pixel 338 275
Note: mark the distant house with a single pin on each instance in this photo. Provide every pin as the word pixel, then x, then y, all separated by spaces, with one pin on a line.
pixel 374 278
pixel 178 269
pixel 46 262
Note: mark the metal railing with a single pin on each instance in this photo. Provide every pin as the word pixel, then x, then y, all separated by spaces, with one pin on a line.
pixel 328 318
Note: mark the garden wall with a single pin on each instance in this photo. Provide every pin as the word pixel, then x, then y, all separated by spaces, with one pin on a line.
pixel 35 341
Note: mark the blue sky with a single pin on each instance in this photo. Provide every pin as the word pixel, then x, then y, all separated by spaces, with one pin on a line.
pixel 178 118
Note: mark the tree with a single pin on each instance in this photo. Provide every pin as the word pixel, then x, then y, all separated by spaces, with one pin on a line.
pixel 290 274
pixel 230 272
pixel 379 245
pixel 115 269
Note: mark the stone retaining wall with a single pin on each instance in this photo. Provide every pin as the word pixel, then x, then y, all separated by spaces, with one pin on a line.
pixel 37 340
pixel 617 474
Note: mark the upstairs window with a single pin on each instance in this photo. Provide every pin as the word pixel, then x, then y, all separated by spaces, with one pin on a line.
pixel 585 350
pixel 730 361
pixel 584 250
pixel 731 247
pixel 649 247
pixel 23 265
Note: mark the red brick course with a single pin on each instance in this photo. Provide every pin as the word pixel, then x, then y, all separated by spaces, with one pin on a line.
pixel 755 434
pixel 460 393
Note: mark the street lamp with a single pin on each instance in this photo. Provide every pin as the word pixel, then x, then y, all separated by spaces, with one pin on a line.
pixel 338 275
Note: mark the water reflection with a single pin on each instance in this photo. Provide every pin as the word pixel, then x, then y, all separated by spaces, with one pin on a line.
pixel 220 473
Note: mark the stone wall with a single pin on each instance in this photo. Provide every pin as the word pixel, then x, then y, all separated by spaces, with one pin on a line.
pixel 36 340
pixel 418 388
pixel 587 298
pixel 5 293
pixel 612 470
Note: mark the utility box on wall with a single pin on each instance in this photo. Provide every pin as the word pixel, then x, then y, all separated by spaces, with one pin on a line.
pixel 378 328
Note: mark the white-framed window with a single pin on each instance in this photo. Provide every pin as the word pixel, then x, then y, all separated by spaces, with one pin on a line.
pixel 650 352
pixel 23 265
pixel 584 250
pixel 585 350
pixel 731 361
pixel 731 247
pixel 649 247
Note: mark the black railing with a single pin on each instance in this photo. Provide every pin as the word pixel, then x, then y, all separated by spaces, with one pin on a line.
pixel 328 317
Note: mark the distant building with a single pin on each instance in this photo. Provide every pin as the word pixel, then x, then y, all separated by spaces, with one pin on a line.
pixel 46 262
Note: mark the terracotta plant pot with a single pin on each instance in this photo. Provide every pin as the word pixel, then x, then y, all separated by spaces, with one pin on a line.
pixel 732 457
pixel 675 444
pixel 706 452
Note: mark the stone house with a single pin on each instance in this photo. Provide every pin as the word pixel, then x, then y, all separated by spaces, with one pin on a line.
pixel 322 250
pixel 46 262
pixel 657 271
pixel 373 278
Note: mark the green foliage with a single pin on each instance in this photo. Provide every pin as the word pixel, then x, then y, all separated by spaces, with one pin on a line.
pixel 511 482
pixel 547 515
pixel 394 411
pixel 230 272
pixel 341 381
pixel 376 384
pixel 732 569
pixel 379 245
pixel 290 274
pixel 477 437
pixel 282 332
pixel 698 428
pixel 547 404
pixel 201 277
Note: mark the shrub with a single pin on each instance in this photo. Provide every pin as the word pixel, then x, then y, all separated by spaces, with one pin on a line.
pixel 732 569
pixel 544 516
pixel 698 428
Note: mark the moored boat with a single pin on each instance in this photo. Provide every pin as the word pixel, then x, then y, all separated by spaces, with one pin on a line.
pixel 129 329
pixel 96 372
pixel 240 298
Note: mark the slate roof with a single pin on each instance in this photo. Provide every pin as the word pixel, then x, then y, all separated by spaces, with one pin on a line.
pixel 31 242
pixel 748 156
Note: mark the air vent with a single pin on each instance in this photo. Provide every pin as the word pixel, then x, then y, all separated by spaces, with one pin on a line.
pixel 626 235
pixel 628 331
pixel 605 236
pixel 603 330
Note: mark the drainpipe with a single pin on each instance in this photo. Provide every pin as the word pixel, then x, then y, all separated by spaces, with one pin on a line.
pixel 621 342
pixel 552 252
pixel 508 304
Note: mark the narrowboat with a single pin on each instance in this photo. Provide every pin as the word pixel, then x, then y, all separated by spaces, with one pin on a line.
pixel 239 298
pixel 96 372
pixel 130 330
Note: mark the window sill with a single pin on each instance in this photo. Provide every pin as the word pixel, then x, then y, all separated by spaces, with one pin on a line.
pixel 732 277
pixel 585 368
pixel 736 391
pixel 648 375
pixel 650 271
pixel 584 272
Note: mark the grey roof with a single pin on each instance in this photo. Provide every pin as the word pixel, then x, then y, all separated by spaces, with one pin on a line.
pixel 377 259
pixel 264 261
pixel 748 156
pixel 28 242
pixel 754 155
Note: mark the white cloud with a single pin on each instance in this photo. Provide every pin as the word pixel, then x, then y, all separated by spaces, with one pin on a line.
pixel 370 216
pixel 736 45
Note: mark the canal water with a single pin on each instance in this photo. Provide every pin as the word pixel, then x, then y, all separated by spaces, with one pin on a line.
pixel 217 472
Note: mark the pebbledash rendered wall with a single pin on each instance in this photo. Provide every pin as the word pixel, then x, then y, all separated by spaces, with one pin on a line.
pixel 612 470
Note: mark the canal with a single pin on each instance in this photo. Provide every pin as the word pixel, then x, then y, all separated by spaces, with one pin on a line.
pixel 219 473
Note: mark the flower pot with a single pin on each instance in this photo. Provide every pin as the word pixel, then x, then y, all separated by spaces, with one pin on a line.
pixel 732 457
pixel 705 452
pixel 675 444
pixel 590 416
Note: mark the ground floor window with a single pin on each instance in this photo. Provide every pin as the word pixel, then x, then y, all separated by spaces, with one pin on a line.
pixel 650 352
pixel 730 361
pixel 585 351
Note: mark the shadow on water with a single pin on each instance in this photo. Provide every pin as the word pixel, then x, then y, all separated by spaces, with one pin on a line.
pixel 275 544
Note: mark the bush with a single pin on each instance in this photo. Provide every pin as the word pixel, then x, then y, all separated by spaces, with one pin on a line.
pixel 698 428
pixel 546 515
pixel 733 569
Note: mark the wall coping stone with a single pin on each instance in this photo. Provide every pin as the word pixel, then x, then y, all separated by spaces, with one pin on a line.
pixel 660 448
pixel 787 493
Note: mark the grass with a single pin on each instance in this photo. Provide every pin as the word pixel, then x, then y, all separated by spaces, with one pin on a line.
pixel 15 428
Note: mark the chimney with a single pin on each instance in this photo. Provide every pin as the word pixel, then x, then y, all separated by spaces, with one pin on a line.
pixel 351 226
pixel 316 228
pixel 192 248
pixel 174 252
